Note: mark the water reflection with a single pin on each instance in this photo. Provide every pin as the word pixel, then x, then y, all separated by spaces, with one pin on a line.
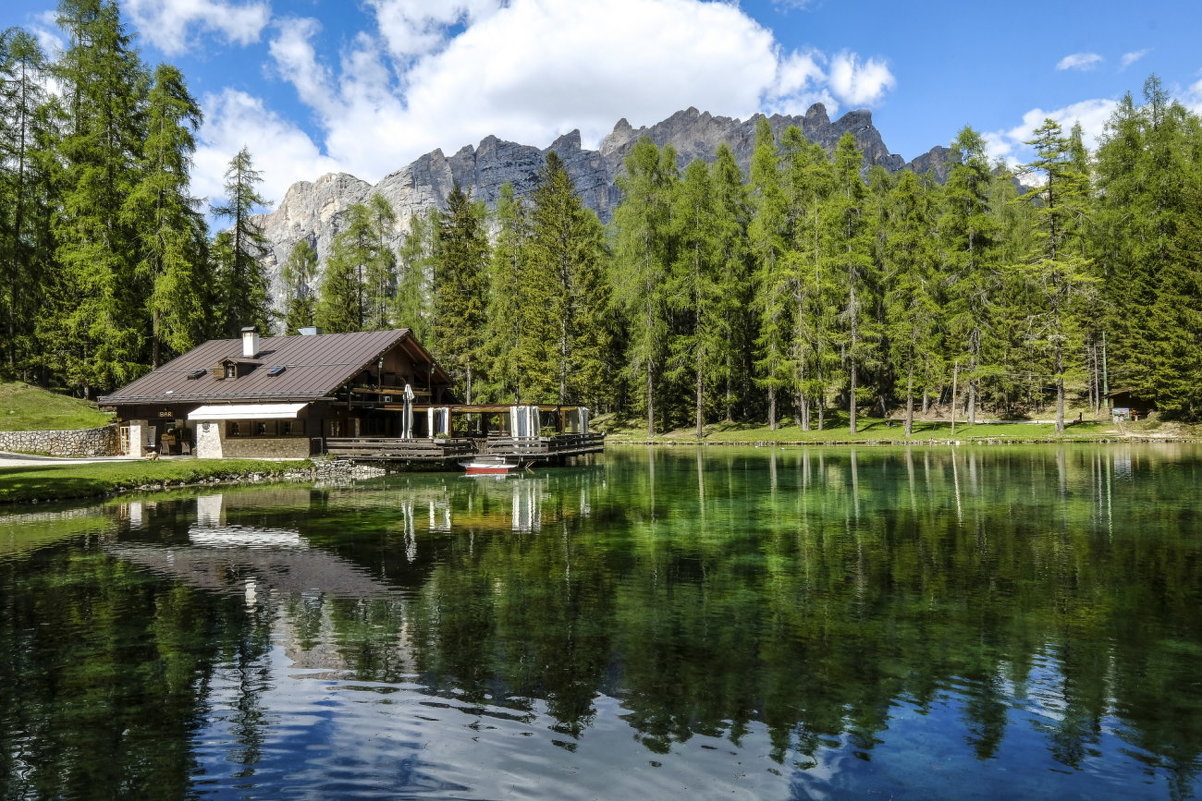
pixel 937 623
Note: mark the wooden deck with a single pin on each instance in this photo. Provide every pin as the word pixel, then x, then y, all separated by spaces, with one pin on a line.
pixel 395 449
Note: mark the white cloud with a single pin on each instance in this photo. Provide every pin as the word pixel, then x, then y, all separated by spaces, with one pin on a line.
pixel 281 152
pixel 170 25
pixel 859 84
pixel 1079 61
pixel 528 70
pixel 1009 145
pixel 1192 97
pixel 1130 58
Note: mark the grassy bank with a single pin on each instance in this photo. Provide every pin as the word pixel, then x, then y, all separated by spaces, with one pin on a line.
pixel 53 482
pixel 26 408
pixel 881 431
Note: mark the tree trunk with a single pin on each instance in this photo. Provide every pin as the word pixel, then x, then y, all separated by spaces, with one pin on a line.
pixel 910 401
pixel 771 408
pixel 650 404
pixel 851 399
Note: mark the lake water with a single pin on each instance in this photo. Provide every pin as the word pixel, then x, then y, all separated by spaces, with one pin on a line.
pixel 738 624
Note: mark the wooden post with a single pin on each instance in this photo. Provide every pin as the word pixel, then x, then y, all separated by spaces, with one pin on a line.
pixel 955 399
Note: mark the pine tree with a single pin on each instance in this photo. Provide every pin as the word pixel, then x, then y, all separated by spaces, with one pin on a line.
pixel 96 329
pixel 24 197
pixel 460 259
pixel 297 274
pixel 643 254
pixel 241 277
pixel 163 216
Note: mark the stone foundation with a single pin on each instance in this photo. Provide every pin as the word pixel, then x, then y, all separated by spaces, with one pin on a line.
pixel 77 444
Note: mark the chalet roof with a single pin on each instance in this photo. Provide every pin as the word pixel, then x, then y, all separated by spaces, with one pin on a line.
pixel 316 366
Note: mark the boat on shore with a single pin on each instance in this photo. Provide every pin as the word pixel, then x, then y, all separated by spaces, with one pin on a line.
pixel 490 465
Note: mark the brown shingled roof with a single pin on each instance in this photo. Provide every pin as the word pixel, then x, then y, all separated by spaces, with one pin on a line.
pixel 317 365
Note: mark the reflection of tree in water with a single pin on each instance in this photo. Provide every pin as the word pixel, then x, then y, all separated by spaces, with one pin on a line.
pixel 105 668
pixel 816 604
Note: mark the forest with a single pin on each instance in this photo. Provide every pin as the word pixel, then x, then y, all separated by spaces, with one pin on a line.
pixel 810 287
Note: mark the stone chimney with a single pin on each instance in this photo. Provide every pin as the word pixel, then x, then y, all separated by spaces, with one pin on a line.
pixel 250 343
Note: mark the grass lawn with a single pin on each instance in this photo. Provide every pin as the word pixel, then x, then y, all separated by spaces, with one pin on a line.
pixel 877 430
pixel 26 408
pixel 65 481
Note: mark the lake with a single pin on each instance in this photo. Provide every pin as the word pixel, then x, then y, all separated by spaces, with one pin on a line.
pixel 927 623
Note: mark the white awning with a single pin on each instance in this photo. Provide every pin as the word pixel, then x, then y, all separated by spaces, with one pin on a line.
pixel 248 411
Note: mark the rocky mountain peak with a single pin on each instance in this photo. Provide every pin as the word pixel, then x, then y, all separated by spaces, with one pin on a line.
pixel 314 210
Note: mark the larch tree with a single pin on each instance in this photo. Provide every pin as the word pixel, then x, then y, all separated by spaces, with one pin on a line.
pixel 414 303
pixel 767 235
pixel 565 256
pixel 297 274
pixel 732 215
pixel 460 268
pixel 699 348
pixel 359 282
pixel 239 271
pixel 96 327
pixel 24 197
pixel 848 253
pixel 163 216
pixel 969 260
pixel 643 254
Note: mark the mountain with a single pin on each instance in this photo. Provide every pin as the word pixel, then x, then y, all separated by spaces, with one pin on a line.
pixel 313 210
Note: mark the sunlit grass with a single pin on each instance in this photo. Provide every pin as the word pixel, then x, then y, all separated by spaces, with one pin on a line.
pixel 27 408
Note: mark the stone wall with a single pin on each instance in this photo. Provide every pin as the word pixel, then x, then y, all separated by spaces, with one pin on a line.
pixel 265 447
pixel 75 443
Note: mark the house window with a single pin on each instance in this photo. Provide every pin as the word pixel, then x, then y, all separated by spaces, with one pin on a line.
pixel 263 429
pixel 290 428
pixel 235 429
pixel 231 371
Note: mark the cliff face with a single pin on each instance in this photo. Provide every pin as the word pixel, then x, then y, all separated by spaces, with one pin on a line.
pixel 314 210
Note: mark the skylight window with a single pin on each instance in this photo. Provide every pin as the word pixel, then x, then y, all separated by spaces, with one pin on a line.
pixel 195 374
pixel 279 368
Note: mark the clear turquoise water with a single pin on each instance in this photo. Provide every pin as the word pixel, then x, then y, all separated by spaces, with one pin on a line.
pixel 923 624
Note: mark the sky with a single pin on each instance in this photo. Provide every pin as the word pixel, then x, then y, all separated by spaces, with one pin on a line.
pixel 367 86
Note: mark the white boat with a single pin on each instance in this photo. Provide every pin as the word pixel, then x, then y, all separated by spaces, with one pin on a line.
pixel 490 465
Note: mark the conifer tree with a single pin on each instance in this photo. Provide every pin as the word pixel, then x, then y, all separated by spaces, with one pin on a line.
pixel 643 254
pixel 812 285
pixel 360 276
pixel 848 249
pixel 969 259
pixel 514 346
pixel 911 295
pixel 242 279
pixel 24 197
pixel 699 348
pixel 767 235
pixel 297 275
pixel 163 216
pixel 732 215
pixel 565 256
pixel 96 327
pixel 460 259
pixel 1058 275
pixel 413 304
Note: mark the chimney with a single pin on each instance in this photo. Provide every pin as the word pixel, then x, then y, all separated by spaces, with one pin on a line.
pixel 250 343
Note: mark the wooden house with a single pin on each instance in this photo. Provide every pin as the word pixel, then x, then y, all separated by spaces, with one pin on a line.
pixel 280 396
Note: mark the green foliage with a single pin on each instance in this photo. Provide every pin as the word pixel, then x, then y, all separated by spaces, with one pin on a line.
pixel 643 255
pixel 297 274
pixel 359 284
pixel 414 296
pixel 460 260
pixel 243 298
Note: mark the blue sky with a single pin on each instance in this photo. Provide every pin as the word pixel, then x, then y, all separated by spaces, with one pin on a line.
pixel 366 86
